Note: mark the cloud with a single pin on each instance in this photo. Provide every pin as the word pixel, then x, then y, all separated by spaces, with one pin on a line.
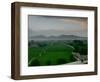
pixel 80 21
pixel 46 25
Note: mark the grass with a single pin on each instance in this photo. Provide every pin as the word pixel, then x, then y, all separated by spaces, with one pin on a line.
pixel 54 53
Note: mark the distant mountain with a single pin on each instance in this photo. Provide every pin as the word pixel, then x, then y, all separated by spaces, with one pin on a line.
pixel 39 36
pixel 60 37
pixel 68 36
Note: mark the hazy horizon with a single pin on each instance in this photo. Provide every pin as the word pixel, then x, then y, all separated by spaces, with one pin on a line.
pixel 55 26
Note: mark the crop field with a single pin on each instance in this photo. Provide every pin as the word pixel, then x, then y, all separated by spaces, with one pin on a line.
pixel 46 53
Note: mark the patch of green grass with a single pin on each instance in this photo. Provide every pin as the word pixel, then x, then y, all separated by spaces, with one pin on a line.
pixel 50 54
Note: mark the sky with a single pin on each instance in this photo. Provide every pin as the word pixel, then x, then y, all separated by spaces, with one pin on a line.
pixel 55 26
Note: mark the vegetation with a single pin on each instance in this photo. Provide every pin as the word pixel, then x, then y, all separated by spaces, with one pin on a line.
pixel 80 46
pixel 62 61
pixel 42 53
pixel 35 62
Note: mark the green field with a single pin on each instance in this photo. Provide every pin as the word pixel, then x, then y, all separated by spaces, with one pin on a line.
pixel 50 53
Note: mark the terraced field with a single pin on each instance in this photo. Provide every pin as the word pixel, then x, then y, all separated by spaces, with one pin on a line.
pixel 53 53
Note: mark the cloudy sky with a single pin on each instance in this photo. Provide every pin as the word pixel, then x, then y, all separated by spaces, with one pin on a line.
pixel 50 25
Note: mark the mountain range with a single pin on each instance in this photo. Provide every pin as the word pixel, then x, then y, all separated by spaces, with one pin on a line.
pixel 60 37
